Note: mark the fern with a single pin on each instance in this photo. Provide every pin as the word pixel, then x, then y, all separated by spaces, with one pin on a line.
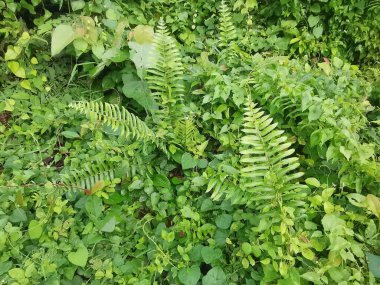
pixel 91 173
pixel 186 135
pixel 374 4
pixel 88 176
pixel 118 118
pixel 165 77
pixel 267 175
pixel 226 27
pixel 269 169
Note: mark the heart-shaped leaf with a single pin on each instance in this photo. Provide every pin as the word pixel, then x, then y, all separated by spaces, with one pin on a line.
pixel 79 257
pixel 189 276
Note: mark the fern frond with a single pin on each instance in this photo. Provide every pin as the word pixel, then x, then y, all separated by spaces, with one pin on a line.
pixel 166 75
pixel 281 103
pixel 226 26
pixel 88 176
pixel 374 4
pixel 269 170
pixel 186 135
pixel 91 173
pixel 117 117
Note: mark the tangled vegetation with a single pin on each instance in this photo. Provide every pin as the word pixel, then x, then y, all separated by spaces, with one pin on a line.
pixel 190 142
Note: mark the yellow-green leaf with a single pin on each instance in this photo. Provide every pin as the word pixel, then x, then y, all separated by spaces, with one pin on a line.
pixel 245 263
pixel 26 84
pixel 9 103
pixel 98 186
pixel 34 60
pixel 308 253
pixel 12 52
pixel 374 204
pixel 16 69
pixel 16 273
pixel 34 229
pixel 143 34
pixel 61 37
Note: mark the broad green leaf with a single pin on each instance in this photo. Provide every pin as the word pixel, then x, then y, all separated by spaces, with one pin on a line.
pixel 371 230
pixel 12 52
pixel 374 204
pixel 34 229
pixel 215 276
pixel 325 67
pixel 16 69
pixel 337 62
pixel 312 277
pixel 293 278
pixel 17 273
pixel 9 105
pixel 315 112
pixel 108 224
pixel 331 222
pixel 160 180
pixel 79 257
pixel 189 276
pixel 94 206
pixel 373 264
pixel 18 215
pixel 308 253
pixel 313 20
pixel 223 221
pixel 5 266
pixel 187 212
pixel 143 34
pixel 315 8
pixel 61 37
pixel 188 161
pixel 210 254
pixel 318 31
pixel 98 50
pixel 339 274
pixel 313 182
pixel 77 5
pixel 142 55
pixel 247 248
pixel 80 45
pixel 245 263
pixel 138 90
pixel 294 40
pixel 346 152
pixel 26 84
pixel 70 134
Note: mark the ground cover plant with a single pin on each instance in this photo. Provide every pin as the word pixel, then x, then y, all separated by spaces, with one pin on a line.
pixel 189 142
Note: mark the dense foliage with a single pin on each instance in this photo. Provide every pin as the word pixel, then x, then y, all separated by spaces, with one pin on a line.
pixel 190 142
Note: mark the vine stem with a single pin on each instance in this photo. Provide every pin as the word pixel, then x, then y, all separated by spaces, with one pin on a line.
pixel 157 246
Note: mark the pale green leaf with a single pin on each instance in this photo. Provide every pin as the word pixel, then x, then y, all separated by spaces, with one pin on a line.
pixel 34 229
pixel 61 37
pixel 79 257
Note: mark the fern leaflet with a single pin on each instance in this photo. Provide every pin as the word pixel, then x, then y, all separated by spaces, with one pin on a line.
pixel 117 117
pixel 165 76
pixel 269 169
pixel 226 26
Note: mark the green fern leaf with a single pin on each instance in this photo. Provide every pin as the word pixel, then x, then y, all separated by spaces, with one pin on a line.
pixel 165 77
pixel 187 136
pixel 226 26
pixel 117 117
pixel 88 176
pixel 91 173
pixel 269 170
